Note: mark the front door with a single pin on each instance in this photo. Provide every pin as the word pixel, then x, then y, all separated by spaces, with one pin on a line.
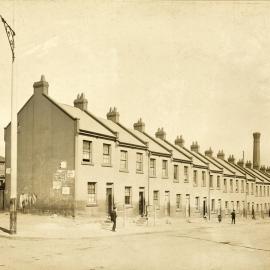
pixel 109 200
pixel 141 203
pixel 204 208
pixel 167 203
pixel 187 206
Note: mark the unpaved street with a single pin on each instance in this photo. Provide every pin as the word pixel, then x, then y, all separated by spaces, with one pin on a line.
pixel 195 246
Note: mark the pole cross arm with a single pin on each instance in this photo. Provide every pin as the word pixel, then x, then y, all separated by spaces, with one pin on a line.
pixel 10 36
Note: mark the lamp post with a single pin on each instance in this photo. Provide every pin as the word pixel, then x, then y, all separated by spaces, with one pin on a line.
pixel 13 165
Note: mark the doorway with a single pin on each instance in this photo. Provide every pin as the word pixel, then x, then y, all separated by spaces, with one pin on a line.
pixel 141 202
pixel 109 199
pixel 204 207
pixel 187 205
pixel 167 203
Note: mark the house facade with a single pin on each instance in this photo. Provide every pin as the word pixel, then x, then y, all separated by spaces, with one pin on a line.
pixel 77 163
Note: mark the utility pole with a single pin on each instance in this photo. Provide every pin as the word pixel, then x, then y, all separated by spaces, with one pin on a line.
pixel 13 177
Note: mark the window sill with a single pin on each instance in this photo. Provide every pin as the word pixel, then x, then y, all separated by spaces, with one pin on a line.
pixel 151 176
pixel 87 163
pixel 165 177
pixel 106 165
pixel 124 171
pixel 92 205
pixel 139 172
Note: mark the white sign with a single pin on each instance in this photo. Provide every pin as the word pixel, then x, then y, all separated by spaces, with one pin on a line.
pixel 65 190
pixel 8 170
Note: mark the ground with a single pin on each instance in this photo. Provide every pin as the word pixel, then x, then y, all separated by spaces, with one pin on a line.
pixel 53 242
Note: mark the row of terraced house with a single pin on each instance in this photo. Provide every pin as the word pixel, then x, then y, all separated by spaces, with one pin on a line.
pixel 79 163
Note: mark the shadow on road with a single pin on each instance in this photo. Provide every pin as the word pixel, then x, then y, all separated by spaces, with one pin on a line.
pixel 4 230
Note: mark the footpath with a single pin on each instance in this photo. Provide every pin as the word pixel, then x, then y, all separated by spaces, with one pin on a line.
pixel 60 227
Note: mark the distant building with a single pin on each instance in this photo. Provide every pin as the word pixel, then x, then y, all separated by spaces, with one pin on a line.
pixel 76 162
pixel 2 181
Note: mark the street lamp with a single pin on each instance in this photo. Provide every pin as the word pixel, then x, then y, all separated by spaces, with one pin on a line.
pixel 13 165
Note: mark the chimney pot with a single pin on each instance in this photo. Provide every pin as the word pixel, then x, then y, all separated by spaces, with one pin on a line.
pixel 41 87
pixel 161 134
pixel 113 115
pixel 195 147
pixel 140 126
pixel 81 102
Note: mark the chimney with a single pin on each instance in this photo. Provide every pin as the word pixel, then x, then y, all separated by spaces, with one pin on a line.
pixel 161 134
pixel 256 150
pixel 41 87
pixel 248 164
pixel 231 159
pixel 179 141
pixel 113 115
pixel 221 154
pixel 268 170
pixel 209 152
pixel 263 169
pixel 195 147
pixel 240 163
pixel 140 126
pixel 81 102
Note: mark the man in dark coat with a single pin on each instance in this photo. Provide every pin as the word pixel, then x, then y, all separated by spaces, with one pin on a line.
pixel 233 216
pixel 253 213
pixel 113 218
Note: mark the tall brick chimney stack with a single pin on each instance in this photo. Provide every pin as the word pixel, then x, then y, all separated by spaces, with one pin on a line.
pixel 195 147
pixel 113 115
pixel 41 87
pixel 179 141
pixel 209 152
pixel 256 150
pixel 161 134
pixel 81 102
pixel 140 125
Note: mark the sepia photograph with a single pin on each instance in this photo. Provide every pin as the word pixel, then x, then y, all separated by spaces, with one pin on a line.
pixel 134 135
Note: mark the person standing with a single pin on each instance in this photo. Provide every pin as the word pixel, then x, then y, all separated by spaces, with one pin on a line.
pixel 253 213
pixel 233 216
pixel 113 218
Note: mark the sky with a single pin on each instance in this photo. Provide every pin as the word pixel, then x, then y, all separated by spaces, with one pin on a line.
pixel 197 69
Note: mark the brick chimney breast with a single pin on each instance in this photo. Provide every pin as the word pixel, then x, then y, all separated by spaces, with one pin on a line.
pixel 161 134
pixel 221 154
pixel 41 87
pixel 195 147
pixel 113 115
pixel 240 163
pixel 140 126
pixel 209 152
pixel 81 102
pixel 179 141
pixel 231 159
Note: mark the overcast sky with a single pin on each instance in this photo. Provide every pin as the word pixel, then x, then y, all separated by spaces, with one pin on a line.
pixel 197 69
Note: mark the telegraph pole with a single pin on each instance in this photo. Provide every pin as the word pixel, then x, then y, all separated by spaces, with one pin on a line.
pixel 13 178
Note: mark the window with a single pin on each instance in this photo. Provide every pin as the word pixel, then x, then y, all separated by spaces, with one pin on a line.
pixel 256 190
pixel 213 205
pixel 123 160
pixel 186 173
pixel 139 162
pixel 232 205
pixel 92 195
pixel 211 181
pixel 252 188
pixel 197 203
pixel 165 168
pixel 261 191
pixel 242 186
pixel 203 179
pixel 225 185
pixel 264 191
pixel 248 207
pixel 226 206
pixel 87 151
pixel 128 195
pixel 247 188
pixel 236 186
pixel 106 154
pixel 257 207
pixel 156 199
pixel 237 206
pixel 178 202
pixel 152 167
pixel 218 182
pixel 231 185
pixel 195 178
pixel 175 173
